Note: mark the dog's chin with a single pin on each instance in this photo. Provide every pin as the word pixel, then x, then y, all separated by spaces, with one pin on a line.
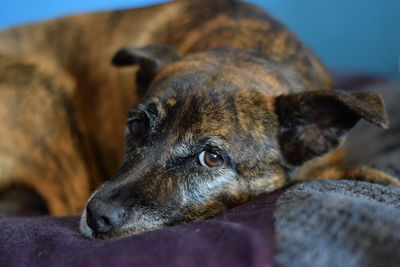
pixel 124 233
pixel 115 234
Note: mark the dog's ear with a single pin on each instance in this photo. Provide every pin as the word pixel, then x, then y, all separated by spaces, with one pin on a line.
pixel 149 59
pixel 314 123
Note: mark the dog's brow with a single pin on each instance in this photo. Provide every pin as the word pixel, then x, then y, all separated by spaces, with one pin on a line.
pixel 182 150
pixel 187 148
pixel 217 142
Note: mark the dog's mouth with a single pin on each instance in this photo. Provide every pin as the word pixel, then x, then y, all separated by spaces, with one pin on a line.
pixel 133 227
pixel 116 234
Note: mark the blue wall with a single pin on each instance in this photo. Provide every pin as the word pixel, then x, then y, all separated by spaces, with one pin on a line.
pixel 361 36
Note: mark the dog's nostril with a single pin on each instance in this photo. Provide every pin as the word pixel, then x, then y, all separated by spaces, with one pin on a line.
pixel 103 217
pixel 104 220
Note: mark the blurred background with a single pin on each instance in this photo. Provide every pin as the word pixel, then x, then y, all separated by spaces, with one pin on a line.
pixel 350 36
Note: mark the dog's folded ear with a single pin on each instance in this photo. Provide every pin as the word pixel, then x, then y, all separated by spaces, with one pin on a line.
pixel 149 59
pixel 314 123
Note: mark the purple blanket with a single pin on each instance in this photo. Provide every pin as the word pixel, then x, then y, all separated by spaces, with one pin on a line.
pixel 242 236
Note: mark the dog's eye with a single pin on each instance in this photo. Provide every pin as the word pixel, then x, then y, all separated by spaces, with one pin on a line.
pixel 210 159
pixel 137 128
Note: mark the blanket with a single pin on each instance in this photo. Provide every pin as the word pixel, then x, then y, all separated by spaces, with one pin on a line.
pixel 242 236
pixel 338 223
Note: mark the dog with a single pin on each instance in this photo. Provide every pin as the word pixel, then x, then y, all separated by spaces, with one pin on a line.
pixel 228 105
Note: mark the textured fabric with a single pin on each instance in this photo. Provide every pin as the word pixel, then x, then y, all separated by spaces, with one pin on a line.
pixel 242 236
pixel 338 223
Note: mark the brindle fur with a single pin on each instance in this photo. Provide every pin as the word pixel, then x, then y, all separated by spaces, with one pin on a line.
pixel 63 111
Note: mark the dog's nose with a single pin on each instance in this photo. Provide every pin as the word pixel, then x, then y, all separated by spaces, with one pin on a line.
pixel 103 217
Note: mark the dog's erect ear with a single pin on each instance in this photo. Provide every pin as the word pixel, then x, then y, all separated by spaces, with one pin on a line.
pixel 149 59
pixel 314 123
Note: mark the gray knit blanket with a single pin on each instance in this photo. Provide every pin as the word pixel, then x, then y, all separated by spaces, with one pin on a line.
pixel 338 223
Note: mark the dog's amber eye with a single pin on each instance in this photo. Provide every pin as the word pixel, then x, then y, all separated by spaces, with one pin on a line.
pixel 210 159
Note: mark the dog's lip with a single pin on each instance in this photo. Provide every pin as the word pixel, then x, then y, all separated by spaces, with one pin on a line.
pixel 87 232
pixel 122 232
pixel 84 229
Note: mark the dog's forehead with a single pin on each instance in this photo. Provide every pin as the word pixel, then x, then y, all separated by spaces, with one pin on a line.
pixel 228 121
pixel 221 70
pixel 213 94
pixel 236 108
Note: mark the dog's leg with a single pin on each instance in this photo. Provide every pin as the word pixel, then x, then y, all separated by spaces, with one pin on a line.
pixel 39 145
pixel 332 167
pixel 371 175
pixel 360 173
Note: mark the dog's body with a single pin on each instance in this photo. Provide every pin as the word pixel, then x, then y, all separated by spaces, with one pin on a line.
pixel 212 130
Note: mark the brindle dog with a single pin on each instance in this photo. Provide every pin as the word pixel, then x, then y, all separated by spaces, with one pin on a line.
pixel 231 106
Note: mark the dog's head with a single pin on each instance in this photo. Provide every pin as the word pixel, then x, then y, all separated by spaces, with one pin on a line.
pixel 214 130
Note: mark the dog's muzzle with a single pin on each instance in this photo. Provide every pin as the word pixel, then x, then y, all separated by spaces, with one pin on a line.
pixel 103 217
